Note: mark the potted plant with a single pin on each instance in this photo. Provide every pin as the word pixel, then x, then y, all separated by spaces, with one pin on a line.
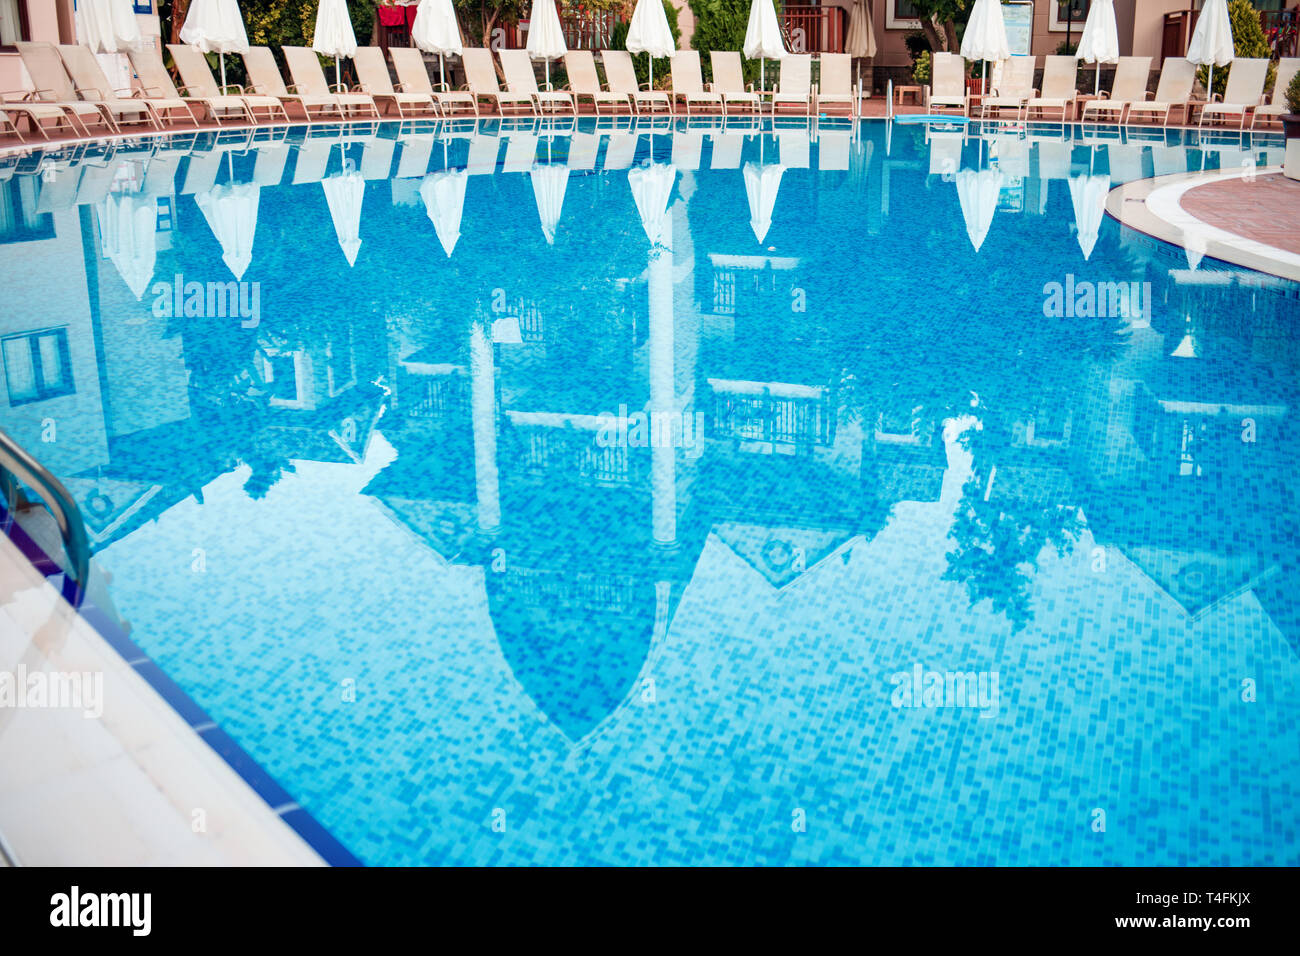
pixel 1291 121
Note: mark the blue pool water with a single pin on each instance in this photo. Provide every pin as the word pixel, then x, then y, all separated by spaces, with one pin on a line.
pixel 389 526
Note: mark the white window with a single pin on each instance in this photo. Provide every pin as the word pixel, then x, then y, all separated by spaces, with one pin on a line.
pixel 901 15
pixel 1063 15
pixel 12 22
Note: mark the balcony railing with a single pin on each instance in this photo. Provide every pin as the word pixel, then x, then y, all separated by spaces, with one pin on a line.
pixel 1281 28
pixel 814 29
pixel 593 30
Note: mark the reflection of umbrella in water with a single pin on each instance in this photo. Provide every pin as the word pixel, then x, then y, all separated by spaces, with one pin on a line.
pixel 652 187
pixel 978 194
pixel 1088 194
pixel 127 230
pixel 762 182
pixel 344 193
pixel 444 200
pixel 549 183
pixel 231 213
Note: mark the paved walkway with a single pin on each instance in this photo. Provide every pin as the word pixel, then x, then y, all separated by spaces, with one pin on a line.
pixel 1266 210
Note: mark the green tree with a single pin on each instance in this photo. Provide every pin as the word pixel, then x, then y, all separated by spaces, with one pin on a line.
pixel 939 21
pixel 1248 40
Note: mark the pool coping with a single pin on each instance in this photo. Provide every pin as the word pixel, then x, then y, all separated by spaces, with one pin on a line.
pixel 281 803
pixel 1152 207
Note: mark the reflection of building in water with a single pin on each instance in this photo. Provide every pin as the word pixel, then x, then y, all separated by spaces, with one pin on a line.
pixel 1187 458
pixel 140 409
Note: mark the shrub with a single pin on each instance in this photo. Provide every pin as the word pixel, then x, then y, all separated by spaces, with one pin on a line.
pixel 1248 40
pixel 641 61
pixel 921 68
pixel 1293 94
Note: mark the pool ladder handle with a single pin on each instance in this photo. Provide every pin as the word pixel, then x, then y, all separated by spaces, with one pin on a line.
pixel 17 468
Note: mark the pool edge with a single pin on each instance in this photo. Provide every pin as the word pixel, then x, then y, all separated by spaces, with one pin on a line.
pixel 281 803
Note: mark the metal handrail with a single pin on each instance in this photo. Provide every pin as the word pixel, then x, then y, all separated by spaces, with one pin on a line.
pixel 16 466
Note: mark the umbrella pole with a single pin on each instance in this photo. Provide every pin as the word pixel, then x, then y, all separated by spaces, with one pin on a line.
pixel 337 74
pixel 1096 85
pixel 762 80
pixel 548 73
pixel 221 55
pixel 442 79
pixel 652 71
pixel 1209 87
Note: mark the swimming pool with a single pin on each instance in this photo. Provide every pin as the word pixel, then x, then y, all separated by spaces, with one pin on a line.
pixel 963 531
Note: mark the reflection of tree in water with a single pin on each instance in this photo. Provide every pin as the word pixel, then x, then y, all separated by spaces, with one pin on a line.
pixel 231 397
pixel 997 550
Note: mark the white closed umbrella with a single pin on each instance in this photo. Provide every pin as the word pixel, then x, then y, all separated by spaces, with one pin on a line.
pixel 545 38
pixel 333 35
pixel 652 187
pixel 108 26
pixel 762 182
pixel 215 26
pixel 649 33
pixel 1100 41
pixel 978 194
pixel 986 35
pixel 861 40
pixel 1088 196
pixel 344 193
pixel 763 36
pixel 549 183
pixel 436 30
pixel 231 214
pixel 444 201
pixel 1211 44
pixel 128 227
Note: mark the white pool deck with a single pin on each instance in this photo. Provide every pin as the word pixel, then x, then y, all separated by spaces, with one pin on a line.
pixel 136 786
pixel 1154 206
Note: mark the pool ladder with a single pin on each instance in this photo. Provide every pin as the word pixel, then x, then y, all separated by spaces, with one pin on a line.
pixel 18 469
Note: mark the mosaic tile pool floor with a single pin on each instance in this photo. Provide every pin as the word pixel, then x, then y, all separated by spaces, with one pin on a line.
pixel 397 520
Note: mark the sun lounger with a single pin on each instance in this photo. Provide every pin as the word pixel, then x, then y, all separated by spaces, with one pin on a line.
pixel 621 76
pixel 729 83
pixel 835 86
pixel 584 82
pixel 520 78
pixel 1013 90
pixel 947 88
pixel 794 90
pixel 1129 86
pixel 374 81
pixel 481 77
pixel 688 83
pixel 1244 93
pixel 1287 67
pixel 54 88
pixel 413 77
pixel 1060 87
pixel 34 113
pixel 198 82
pixel 264 79
pixel 309 80
pixel 1177 77
pixel 155 81
pixel 93 85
